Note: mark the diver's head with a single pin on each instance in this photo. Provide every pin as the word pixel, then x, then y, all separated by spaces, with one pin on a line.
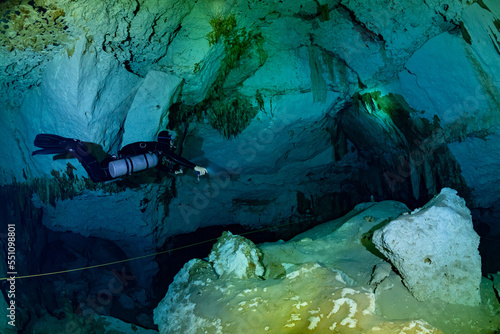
pixel 167 137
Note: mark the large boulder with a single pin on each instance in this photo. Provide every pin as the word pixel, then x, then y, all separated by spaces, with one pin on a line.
pixel 435 248
pixel 236 256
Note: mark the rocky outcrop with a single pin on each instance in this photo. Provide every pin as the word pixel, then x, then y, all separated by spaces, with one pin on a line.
pixel 436 251
pixel 329 278
pixel 235 256
pixel 311 298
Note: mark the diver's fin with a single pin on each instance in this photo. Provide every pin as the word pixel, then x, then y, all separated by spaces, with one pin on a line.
pixel 52 144
pixel 46 140
pixel 49 151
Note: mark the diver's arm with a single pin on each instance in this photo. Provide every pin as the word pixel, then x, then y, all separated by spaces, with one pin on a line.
pixel 184 162
pixel 163 149
pixel 177 159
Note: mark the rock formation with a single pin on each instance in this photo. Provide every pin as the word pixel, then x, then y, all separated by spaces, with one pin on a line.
pixel 330 279
pixel 436 251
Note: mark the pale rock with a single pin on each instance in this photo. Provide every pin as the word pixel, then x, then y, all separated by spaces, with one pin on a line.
pixel 190 56
pixel 85 96
pixel 380 272
pixel 87 91
pixel 263 305
pixel 311 296
pixel 176 311
pixel 408 327
pixel 148 114
pixel 343 244
pixel 153 29
pixel 235 256
pixel 435 249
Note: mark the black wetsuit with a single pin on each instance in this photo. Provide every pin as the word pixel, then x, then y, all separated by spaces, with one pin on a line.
pixel 99 171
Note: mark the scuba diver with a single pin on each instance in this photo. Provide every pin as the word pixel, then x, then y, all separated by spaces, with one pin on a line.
pixel 131 158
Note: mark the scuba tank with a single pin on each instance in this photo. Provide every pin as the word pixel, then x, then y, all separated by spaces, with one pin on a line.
pixel 133 164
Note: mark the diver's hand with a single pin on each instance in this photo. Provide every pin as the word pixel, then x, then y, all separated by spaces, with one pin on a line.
pixel 201 170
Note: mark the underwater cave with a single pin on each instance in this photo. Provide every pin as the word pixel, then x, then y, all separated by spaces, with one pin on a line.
pixel 207 166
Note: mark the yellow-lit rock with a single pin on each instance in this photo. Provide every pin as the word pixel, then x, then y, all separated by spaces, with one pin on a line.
pixel 326 280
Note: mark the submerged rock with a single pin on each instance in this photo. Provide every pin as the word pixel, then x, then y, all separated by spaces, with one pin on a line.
pixel 236 256
pixel 312 298
pixel 435 249
pixel 328 279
